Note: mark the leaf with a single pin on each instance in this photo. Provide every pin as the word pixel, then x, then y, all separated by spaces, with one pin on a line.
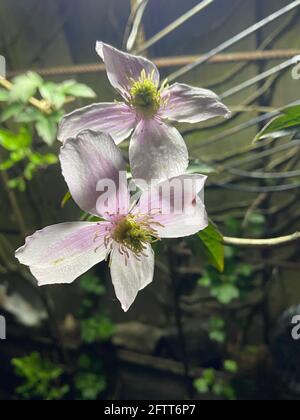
pixel 25 86
pixel 78 90
pixel 230 366
pixel 225 293
pixel 11 110
pixel 51 92
pixel 41 160
pixel 201 386
pixel 90 385
pixel 97 328
pixel 27 115
pixel 217 336
pixel 281 125
pixel 4 94
pixel 92 284
pixel 47 129
pixel 212 240
pixel 12 142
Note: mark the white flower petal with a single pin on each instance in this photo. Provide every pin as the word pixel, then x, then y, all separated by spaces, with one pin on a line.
pixel 157 151
pixel 87 159
pixel 122 67
pixel 117 119
pixel 177 205
pixel 61 253
pixel 192 104
pixel 129 279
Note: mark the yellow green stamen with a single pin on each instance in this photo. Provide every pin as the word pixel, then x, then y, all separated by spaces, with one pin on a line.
pixel 134 234
pixel 145 95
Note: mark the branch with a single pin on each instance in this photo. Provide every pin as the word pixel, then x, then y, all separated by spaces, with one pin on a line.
pixel 43 106
pixel 263 243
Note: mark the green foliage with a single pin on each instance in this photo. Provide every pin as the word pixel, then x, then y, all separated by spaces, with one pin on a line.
pixel 89 381
pixel 217 329
pixel 92 285
pixel 209 383
pixel 286 123
pixel 42 379
pixel 230 366
pixel 31 124
pixel 212 241
pixel 96 328
pixel 233 283
pixel 25 86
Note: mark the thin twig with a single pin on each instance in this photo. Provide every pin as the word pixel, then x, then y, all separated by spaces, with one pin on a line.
pixel 262 243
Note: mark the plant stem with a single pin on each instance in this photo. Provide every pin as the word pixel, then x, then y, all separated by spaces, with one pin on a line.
pixel 262 243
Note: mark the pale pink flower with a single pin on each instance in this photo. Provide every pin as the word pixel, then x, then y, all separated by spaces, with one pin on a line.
pixel 157 150
pixel 63 252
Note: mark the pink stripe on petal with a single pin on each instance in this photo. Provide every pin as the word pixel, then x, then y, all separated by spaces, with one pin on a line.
pixel 115 118
pixel 61 253
pixel 122 67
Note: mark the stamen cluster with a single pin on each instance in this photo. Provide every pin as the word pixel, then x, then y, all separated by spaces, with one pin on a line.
pixel 145 95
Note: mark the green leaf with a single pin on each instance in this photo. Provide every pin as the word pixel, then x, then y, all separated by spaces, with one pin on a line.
pixel 47 129
pixel 217 336
pixel 281 125
pixel 79 90
pixel 225 293
pixel 42 160
pixel 51 92
pixel 90 385
pixel 17 183
pixel 41 378
pixel 92 284
pixel 201 386
pixel 12 142
pixel 11 110
pixel 212 240
pixel 4 94
pixel 28 115
pixel 25 86
pixel 230 366
pixel 97 328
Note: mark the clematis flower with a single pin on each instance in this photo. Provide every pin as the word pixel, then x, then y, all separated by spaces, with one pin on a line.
pixel 123 233
pixel 157 150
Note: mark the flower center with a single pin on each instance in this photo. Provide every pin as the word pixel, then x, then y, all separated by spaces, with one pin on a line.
pixel 145 96
pixel 134 233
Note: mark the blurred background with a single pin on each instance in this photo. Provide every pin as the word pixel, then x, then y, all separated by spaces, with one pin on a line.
pixel 216 322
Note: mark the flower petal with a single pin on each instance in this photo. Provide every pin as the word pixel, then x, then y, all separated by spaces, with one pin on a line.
pixel 61 253
pixel 87 159
pixel 177 205
pixel 129 279
pixel 122 67
pixel 115 118
pixel 192 104
pixel 157 151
